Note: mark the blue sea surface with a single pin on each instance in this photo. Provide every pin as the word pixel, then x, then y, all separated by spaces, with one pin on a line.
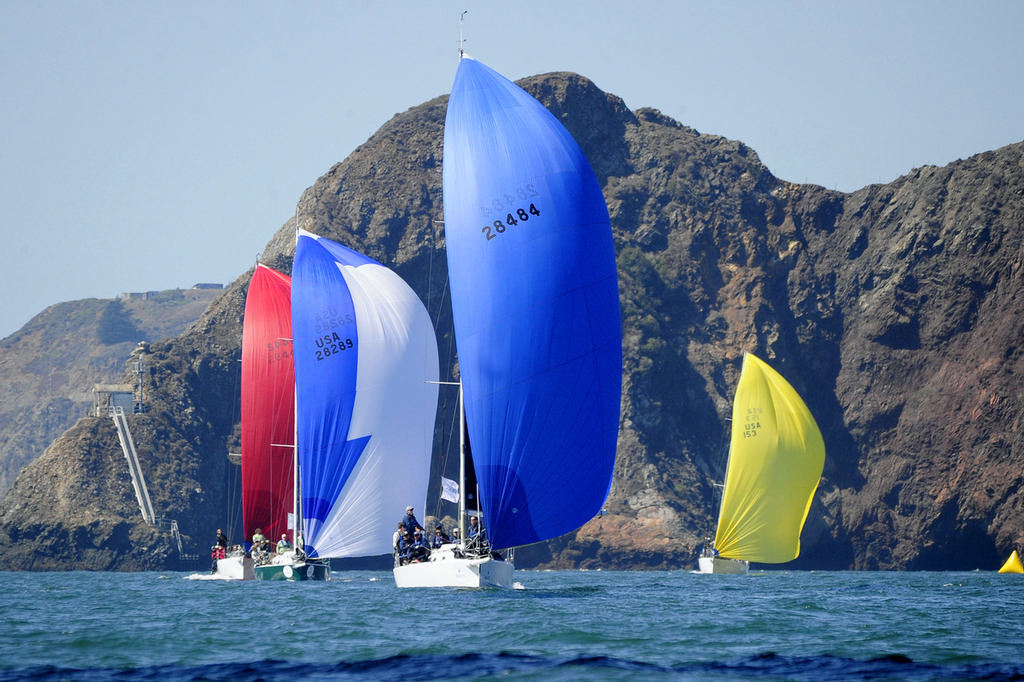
pixel 557 625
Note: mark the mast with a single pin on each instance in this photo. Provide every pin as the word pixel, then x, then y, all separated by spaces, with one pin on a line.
pixel 462 41
pixel 296 497
pixel 462 469
pixel 297 532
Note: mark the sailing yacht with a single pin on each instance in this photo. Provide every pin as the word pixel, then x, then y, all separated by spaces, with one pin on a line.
pixel 366 367
pixel 776 456
pixel 470 561
pixel 268 416
pixel 535 302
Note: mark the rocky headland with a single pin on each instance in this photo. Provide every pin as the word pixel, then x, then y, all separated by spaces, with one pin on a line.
pixel 895 310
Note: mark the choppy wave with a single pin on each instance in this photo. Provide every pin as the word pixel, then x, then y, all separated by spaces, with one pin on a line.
pixel 508 666
pixel 560 625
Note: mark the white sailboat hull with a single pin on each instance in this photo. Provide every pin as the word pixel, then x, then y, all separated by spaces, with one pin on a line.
pixel 445 569
pixel 719 564
pixel 236 566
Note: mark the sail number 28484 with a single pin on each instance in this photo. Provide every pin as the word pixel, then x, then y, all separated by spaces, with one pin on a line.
pixel 520 215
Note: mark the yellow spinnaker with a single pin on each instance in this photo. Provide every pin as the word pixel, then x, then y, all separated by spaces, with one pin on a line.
pixel 1012 564
pixel 776 457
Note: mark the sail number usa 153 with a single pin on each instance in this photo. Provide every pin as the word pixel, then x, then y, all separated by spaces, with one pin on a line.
pixel 752 424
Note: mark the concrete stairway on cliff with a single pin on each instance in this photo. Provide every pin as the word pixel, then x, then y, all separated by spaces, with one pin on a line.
pixel 138 480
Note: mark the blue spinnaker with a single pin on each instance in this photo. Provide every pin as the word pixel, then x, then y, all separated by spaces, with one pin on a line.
pixel 535 301
pixel 365 357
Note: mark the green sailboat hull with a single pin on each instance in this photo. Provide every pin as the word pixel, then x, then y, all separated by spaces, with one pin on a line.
pixel 319 570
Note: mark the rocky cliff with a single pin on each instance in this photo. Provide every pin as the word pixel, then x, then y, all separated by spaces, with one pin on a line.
pixel 48 367
pixel 894 310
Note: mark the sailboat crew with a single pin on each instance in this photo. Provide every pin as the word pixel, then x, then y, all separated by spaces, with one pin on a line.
pixel 476 535
pixel 259 541
pixel 440 537
pixel 409 521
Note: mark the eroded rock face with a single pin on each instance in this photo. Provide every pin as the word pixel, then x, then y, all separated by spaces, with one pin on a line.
pixel 49 366
pixel 895 311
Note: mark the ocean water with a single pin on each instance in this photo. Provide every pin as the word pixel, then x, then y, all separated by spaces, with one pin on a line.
pixel 557 625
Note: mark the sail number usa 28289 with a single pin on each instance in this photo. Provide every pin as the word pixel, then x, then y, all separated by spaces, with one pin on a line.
pixel 332 344
pixel 328 341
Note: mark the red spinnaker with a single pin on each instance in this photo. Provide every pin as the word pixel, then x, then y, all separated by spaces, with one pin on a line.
pixel 268 405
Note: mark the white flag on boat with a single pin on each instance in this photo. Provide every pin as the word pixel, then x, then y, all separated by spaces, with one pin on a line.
pixel 449 489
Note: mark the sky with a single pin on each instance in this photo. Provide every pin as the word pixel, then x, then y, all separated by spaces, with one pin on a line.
pixel 152 145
